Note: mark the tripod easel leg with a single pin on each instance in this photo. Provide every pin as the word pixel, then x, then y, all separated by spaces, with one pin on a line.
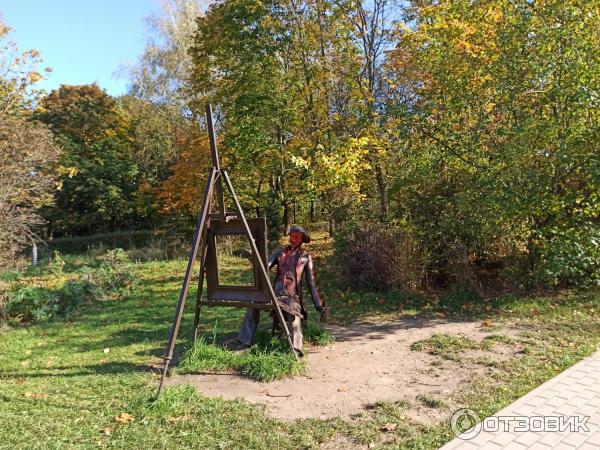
pixel 200 287
pixel 198 234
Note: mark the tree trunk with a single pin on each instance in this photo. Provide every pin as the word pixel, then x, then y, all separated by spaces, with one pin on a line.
pixel 294 211
pixel 257 209
pixel 286 216
pixel 383 195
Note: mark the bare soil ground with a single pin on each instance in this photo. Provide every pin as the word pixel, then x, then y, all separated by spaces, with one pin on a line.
pixel 368 363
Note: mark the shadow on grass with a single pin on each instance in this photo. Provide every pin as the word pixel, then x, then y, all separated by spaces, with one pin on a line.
pixel 109 368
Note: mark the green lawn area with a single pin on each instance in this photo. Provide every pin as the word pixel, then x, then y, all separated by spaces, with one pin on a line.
pixel 87 380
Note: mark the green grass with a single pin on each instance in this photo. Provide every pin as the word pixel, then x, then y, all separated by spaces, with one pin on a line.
pixel 317 335
pixel 64 382
pixel 431 402
pixel 449 346
pixel 261 362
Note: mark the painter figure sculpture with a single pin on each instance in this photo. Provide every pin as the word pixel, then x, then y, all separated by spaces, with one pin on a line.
pixel 292 262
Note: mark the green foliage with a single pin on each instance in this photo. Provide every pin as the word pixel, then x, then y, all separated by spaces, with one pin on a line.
pixel 56 265
pixel 572 257
pixel 116 151
pixel 34 304
pixel 459 298
pixel 431 402
pixel 501 154
pixel 98 191
pixel 119 239
pixel 265 365
pixel 28 303
pixel 115 275
pixel 113 279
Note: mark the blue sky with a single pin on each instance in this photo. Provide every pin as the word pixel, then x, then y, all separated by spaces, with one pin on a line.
pixel 84 41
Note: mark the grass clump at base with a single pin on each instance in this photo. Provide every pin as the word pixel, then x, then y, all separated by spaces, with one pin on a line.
pixel 263 365
pixel 317 335
pixel 269 359
pixel 203 356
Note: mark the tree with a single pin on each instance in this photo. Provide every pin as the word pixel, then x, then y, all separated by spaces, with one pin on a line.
pixel 181 193
pixel 99 181
pixel 28 154
pixel 155 136
pixel 162 73
pixel 502 125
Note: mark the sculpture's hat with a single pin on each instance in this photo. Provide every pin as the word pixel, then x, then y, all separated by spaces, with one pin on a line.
pixel 298 228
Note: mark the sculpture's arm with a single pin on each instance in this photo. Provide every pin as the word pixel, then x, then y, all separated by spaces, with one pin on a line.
pixel 312 286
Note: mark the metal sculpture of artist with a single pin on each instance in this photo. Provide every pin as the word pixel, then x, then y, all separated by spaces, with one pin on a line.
pixel 292 262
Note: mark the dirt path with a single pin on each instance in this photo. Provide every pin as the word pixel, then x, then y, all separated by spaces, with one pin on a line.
pixel 367 363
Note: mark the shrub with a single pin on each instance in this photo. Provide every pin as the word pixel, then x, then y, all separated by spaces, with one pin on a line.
pixel 572 257
pixel 35 304
pixel 27 303
pixel 115 276
pixel 380 257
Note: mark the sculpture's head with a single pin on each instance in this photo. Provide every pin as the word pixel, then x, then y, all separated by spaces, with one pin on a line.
pixel 298 235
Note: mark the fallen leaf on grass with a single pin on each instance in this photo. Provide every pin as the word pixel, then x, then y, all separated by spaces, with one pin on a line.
pixel 175 419
pixel 34 395
pixel 20 380
pixel 487 323
pixel 124 418
pixel 106 431
pixel 24 363
pixel 389 427
pixel 106 350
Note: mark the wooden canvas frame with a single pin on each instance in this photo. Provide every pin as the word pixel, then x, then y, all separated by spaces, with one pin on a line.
pixel 236 296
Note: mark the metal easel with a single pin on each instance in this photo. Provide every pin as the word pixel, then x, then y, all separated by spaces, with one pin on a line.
pixel 216 178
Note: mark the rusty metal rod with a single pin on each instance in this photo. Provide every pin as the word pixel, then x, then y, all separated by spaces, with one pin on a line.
pixel 214 154
pixel 204 210
pixel 203 247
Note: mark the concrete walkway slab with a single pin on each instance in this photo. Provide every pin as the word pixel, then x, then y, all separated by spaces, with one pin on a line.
pixel 563 413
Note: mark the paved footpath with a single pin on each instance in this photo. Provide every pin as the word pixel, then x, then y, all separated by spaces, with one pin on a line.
pixel 574 393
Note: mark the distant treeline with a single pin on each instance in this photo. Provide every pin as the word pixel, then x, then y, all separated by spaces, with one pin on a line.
pixel 464 135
